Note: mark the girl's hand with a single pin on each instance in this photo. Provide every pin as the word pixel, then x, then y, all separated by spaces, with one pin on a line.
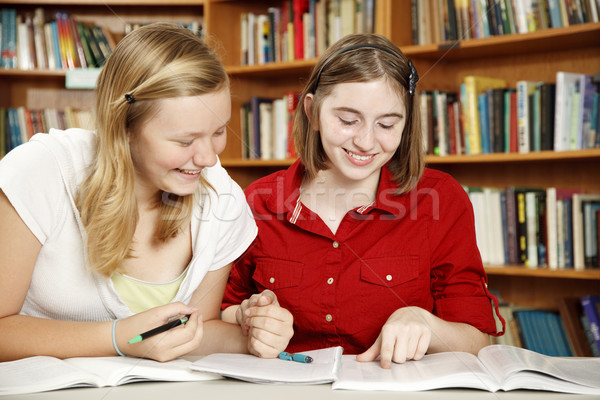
pixel 268 325
pixel 406 335
pixel 165 346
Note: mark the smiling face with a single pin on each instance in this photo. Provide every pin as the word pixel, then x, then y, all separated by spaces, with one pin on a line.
pixel 184 136
pixel 361 124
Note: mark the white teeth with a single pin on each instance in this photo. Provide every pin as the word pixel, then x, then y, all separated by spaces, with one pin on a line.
pixel 357 157
pixel 189 172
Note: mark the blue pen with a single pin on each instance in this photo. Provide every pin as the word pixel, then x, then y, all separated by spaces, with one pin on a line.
pixel 284 355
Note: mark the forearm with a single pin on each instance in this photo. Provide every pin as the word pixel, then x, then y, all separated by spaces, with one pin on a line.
pixel 24 336
pixel 455 336
pixel 228 314
pixel 222 337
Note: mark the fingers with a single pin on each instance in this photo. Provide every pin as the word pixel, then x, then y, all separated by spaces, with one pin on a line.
pixel 372 352
pixel 267 297
pixel 398 344
pixel 172 343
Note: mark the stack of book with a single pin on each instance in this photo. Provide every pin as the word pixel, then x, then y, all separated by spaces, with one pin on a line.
pixel 17 125
pixel 437 21
pixel 301 29
pixel 551 228
pixel 32 41
pixel 486 116
pixel 267 127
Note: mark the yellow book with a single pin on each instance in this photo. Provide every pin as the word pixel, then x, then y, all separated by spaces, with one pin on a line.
pixel 475 85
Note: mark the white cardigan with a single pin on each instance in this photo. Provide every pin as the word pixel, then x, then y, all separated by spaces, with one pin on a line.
pixel 41 177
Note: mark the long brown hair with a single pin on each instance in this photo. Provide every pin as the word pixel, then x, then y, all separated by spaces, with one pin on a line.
pixel 361 64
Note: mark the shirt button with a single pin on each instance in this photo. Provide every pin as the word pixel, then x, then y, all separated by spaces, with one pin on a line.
pixel 328 318
pixel 388 277
pixel 335 245
pixel 330 281
pixel 272 280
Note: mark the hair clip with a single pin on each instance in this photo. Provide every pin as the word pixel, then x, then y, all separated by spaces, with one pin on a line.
pixel 129 98
pixel 413 78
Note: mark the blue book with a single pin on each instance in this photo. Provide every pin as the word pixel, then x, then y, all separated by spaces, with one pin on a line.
pixel 591 308
pixel 554 11
pixel 484 122
pixel 528 338
pixel 15 138
pixel 540 326
pixel 594 126
pixel 57 56
pixel 564 346
pixel 535 117
pixel 8 19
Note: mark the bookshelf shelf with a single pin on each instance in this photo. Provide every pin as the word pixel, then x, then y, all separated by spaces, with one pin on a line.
pixel 520 270
pixel 299 67
pixel 41 73
pixel 572 37
pixel 591 154
pixel 233 162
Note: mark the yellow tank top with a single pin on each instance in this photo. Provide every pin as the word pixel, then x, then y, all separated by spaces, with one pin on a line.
pixel 141 296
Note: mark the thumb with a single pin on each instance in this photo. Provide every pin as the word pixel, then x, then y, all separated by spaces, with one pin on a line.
pixel 267 297
pixel 371 353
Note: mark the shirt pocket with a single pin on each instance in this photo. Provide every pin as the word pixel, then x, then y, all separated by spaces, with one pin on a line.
pixel 283 277
pixel 389 283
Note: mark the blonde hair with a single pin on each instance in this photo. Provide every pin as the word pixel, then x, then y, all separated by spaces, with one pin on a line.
pixel 361 63
pixel 153 62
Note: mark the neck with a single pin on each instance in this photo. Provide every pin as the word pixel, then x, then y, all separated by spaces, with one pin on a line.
pixel 337 192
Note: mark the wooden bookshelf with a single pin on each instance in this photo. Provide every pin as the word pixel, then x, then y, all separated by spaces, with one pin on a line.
pixel 532 56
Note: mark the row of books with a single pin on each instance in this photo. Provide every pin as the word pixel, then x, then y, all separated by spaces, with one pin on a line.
pixel 29 41
pixel 538 228
pixel 17 125
pixel 438 21
pixel 267 127
pixel 488 117
pixel 573 330
pixel 32 41
pixel 301 29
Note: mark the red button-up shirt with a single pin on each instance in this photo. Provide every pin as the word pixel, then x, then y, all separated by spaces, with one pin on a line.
pixel 416 249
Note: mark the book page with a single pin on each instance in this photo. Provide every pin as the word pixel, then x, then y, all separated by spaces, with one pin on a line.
pixel 434 371
pixel 323 369
pixel 524 369
pixel 39 374
pixel 121 370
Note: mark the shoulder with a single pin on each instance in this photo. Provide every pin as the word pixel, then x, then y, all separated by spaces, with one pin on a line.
pixel 219 179
pixel 69 152
pixel 72 146
pixel 269 181
pixel 438 180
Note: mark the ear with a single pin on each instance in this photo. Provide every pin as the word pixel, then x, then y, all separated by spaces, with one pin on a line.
pixel 308 111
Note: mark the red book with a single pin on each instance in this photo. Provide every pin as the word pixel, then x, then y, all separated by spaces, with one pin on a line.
pixel 299 7
pixel 292 104
pixel 80 55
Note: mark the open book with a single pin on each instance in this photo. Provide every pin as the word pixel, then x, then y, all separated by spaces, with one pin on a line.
pixel 41 373
pixel 497 367
pixel 324 368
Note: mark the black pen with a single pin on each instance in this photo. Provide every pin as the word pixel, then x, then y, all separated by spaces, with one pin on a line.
pixel 160 329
